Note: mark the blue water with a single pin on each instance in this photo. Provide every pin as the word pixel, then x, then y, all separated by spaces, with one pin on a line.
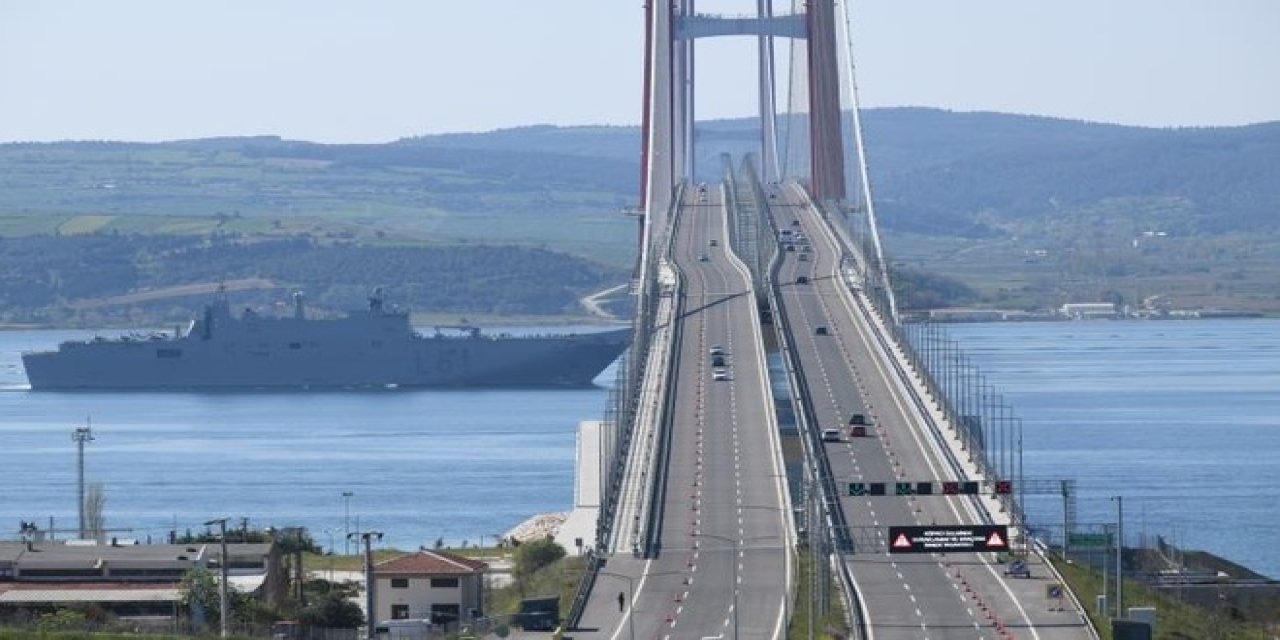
pixel 1181 418
pixel 422 465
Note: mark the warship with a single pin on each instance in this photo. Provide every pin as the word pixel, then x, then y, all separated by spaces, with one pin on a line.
pixel 376 347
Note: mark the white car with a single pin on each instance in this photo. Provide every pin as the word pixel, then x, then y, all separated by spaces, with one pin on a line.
pixel 831 435
pixel 719 375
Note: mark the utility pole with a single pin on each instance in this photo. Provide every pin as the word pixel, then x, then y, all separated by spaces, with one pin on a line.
pixel 371 616
pixel 224 605
pixel 1119 555
pixel 80 436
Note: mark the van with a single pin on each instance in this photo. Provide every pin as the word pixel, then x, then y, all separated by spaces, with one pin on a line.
pixel 404 629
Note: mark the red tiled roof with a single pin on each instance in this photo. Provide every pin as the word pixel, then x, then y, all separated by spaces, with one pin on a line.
pixel 431 563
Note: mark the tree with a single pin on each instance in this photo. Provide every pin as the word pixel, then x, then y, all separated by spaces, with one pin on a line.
pixel 95 504
pixel 532 556
pixel 332 611
pixel 200 596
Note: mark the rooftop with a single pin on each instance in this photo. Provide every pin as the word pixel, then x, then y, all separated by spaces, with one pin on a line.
pixel 427 562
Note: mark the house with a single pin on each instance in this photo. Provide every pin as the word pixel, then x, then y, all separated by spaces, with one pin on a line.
pixel 431 585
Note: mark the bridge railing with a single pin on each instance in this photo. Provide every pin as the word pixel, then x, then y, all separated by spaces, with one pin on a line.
pixel 648 522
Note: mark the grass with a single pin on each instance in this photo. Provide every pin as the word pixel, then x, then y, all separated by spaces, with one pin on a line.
pixel 559 578
pixel 828 625
pixel 1175 620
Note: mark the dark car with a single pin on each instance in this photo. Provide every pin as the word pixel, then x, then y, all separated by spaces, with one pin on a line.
pixel 802 280
pixel 822 331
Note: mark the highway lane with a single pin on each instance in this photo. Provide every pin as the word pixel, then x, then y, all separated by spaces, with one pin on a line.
pixel 905 596
pixel 724 566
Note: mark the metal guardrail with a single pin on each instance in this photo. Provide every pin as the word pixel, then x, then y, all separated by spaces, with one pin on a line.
pixel 665 423
pixel 580 596
pixel 658 476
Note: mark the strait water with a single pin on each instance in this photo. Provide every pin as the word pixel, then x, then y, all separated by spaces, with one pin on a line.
pixel 421 465
pixel 1180 418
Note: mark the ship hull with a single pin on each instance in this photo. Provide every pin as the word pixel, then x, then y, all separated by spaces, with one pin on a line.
pixel 320 361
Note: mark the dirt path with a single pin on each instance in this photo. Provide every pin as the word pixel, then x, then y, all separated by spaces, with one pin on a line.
pixel 592 303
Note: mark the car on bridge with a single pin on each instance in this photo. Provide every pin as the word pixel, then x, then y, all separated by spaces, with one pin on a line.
pixel 719 375
pixel 714 243
pixel 717 361
pixel 804 257
pixel 802 280
pixel 831 435
pixel 702 258
pixel 821 330
pixel 716 350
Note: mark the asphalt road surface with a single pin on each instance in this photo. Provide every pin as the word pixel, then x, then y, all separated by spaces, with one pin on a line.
pixel 723 568
pixel 930 595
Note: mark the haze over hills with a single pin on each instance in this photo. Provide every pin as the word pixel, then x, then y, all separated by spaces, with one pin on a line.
pixel 1023 211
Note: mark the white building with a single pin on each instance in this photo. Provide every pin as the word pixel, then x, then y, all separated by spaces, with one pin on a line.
pixel 1086 310
pixel 430 585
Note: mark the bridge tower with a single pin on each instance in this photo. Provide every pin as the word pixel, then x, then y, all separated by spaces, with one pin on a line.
pixel 823 149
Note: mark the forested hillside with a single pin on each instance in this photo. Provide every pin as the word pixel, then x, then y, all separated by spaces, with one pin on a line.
pixel 1023 211
pixel 98 279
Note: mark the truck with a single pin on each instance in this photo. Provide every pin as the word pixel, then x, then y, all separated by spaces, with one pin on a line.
pixel 538 614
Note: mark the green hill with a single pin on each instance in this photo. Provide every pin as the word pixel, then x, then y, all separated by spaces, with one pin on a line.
pixel 1025 211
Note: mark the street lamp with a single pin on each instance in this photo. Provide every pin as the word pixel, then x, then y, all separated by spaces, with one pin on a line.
pixel 1119 500
pixel 223 604
pixel 631 620
pixel 346 521
pixel 80 436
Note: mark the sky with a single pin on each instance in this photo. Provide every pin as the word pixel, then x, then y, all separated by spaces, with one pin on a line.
pixel 378 70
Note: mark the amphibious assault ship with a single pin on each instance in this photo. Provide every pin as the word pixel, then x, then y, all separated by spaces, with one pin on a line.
pixel 374 347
